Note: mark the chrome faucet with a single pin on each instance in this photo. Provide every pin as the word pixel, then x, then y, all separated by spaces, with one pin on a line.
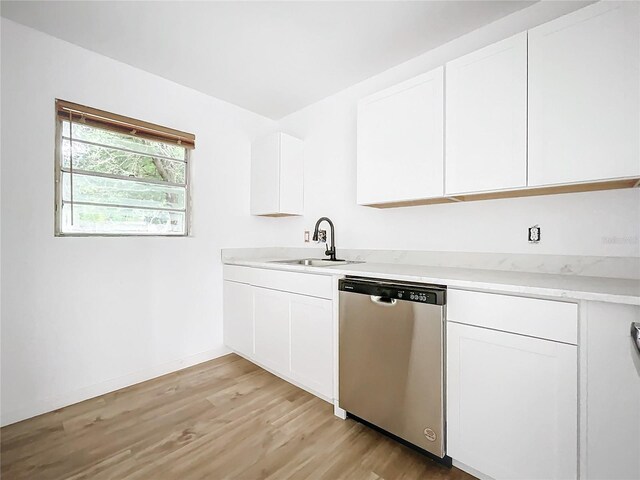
pixel 331 251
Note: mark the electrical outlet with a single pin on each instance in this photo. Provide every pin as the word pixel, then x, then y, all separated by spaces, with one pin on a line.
pixel 535 234
pixel 306 236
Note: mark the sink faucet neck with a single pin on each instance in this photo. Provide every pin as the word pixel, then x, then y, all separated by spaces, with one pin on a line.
pixel 330 251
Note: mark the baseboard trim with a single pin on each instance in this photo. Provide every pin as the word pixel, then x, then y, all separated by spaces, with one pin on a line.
pixel 38 407
pixel 286 378
pixel 470 470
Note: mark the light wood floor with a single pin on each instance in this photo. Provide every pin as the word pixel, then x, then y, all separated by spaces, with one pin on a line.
pixel 222 419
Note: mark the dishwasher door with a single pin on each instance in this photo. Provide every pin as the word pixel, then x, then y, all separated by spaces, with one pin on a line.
pixel 391 371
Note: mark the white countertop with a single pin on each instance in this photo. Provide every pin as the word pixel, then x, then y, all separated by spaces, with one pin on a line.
pixel 573 287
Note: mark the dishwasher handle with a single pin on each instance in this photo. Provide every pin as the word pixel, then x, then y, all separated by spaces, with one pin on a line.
pixel 383 301
pixel 635 334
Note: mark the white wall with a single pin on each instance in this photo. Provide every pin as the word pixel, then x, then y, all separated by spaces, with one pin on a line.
pixel 82 316
pixel 597 223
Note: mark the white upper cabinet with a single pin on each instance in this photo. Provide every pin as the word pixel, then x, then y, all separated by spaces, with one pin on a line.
pixel 277 178
pixel 584 95
pixel 401 142
pixel 486 141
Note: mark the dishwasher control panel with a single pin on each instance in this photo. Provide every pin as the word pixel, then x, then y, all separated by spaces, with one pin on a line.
pixel 434 295
pixel 414 296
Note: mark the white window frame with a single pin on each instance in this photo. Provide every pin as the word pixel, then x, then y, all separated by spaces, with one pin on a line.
pixel 58 194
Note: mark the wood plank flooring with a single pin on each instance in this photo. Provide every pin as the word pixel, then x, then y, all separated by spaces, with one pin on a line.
pixel 223 419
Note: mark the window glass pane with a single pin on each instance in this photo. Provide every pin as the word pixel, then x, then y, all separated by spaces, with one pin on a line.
pixel 116 220
pixel 121 192
pixel 117 162
pixel 106 137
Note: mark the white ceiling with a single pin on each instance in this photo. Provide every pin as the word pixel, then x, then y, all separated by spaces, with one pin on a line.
pixel 269 57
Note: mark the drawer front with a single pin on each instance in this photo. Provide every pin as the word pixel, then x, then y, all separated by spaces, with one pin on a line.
pixel 294 282
pixel 236 273
pixel 526 316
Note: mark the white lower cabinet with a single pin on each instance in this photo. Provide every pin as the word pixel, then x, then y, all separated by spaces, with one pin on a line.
pixel 512 407
pixel 238 317
pixel 293 336
pixel 611 374
pixel 312 342
pixel 289 333
pixel 271 324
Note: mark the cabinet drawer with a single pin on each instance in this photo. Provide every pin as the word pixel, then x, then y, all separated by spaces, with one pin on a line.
pixel 294 282
pixel 526 316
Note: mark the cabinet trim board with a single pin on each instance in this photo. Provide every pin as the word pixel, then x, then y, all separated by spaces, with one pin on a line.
pixel 613 184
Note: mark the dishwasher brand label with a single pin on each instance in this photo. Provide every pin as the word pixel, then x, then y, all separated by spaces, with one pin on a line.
pixel 430 434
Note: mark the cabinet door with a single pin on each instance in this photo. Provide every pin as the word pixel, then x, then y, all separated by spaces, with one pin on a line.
pixel 312 343
pixel 265 175
pixel 291 175
pixel 271 320
pixel 512 404
pixel 487 118
pixel 238 317
pixel 400 142
pixel 612 393
pixel 277 183
pixel 584 95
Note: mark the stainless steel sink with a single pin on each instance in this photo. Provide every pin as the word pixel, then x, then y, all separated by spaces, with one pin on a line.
pixel 315 262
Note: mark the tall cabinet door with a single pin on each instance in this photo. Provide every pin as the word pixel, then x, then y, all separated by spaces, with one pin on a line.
pixel 486 145
pixel 584 95
pixel 265 175
pixel 271 321
pixel 512 404
pixel 238 317
pixel 401 142
pixel 277 175
pixel 312 356
pixel 613 393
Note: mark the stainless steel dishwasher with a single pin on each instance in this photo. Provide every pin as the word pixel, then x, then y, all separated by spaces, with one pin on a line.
pixel 391 363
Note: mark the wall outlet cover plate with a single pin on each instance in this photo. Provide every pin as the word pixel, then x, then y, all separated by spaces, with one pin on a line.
pixel 534 234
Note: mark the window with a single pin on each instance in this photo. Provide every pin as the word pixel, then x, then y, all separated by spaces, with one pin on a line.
pixel 119 176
